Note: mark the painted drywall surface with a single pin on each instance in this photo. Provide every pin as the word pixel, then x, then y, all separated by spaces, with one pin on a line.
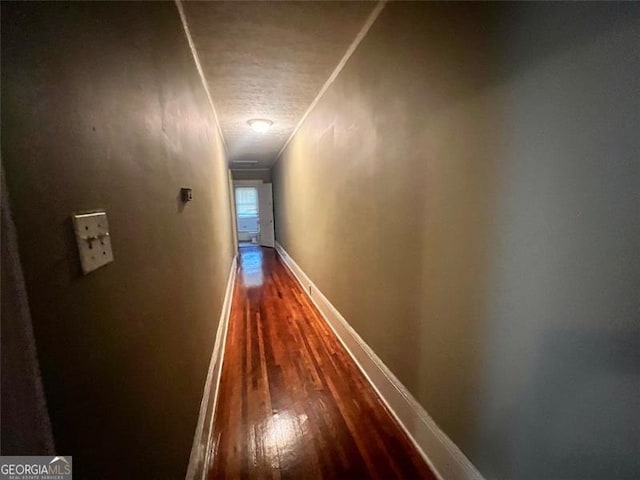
pixel 263 174
pixel 102 107
pixel 377 198
pixel 466 195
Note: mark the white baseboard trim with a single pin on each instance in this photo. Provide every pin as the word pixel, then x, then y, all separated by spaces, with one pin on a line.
pixel 202 438
pixel 442 455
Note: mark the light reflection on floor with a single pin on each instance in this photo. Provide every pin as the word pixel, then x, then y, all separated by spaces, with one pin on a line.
pixel 281 437
pixel 278 434
pixel 251 266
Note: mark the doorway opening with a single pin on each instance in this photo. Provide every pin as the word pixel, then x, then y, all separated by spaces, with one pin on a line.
pixel 248 215
pixel 254 214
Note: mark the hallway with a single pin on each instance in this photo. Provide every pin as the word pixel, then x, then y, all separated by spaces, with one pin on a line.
pixel 292 403
pixel 321 239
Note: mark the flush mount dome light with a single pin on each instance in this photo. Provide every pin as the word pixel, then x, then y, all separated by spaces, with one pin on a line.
pixel 260 125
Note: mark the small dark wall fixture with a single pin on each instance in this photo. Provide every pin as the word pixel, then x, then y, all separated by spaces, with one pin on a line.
pixel 186 194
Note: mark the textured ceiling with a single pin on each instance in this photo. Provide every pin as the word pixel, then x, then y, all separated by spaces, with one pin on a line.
pixel 268 60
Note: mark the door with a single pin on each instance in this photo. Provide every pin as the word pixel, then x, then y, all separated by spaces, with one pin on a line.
pixel 265 199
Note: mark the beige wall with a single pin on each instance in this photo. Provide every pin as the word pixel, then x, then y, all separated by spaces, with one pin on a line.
pixel 465 194
pixel 262 174
pixel 102 107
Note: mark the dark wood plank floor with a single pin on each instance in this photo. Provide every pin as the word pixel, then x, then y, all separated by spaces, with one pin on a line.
pixel 292 402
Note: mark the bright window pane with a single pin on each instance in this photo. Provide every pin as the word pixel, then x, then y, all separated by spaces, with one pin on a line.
pixel 247 201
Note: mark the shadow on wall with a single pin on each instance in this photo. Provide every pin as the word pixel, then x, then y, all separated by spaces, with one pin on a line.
pixel 583 387
pixel 555 396
pixel 26 428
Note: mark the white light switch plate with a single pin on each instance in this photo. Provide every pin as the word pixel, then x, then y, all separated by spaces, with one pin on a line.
pixel 94 242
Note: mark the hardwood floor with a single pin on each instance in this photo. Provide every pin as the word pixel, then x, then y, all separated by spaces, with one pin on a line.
pixel 292 402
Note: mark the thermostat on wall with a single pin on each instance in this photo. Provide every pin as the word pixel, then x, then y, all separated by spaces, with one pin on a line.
pixel 94 242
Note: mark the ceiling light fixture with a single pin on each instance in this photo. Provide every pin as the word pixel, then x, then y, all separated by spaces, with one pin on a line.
pixel 260 125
